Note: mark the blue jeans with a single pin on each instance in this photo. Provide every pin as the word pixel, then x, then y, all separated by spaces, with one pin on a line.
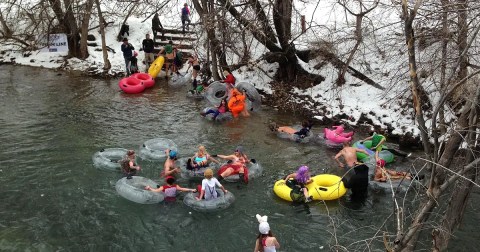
pixel 127 65
pixel 214 112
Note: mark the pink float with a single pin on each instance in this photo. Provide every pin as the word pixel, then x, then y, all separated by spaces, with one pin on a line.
pixel 337 135
pixel 131 85
pixel 148 81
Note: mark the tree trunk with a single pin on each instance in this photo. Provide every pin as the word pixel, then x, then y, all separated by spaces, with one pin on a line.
pixel 84 29
pixel 462 189
pixel 72 31
pixel 106 62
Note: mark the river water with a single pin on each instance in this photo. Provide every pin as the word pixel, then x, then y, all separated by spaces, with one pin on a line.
pixel 53 199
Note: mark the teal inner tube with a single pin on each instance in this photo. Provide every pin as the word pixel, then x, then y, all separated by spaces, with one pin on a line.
pixel 384 154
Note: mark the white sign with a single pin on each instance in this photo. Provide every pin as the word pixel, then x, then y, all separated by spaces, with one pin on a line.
pixel 53 43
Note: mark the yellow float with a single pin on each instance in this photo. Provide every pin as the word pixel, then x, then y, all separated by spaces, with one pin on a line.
pixel 323 187
pixel 156 67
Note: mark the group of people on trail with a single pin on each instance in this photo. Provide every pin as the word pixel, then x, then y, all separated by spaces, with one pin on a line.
pixel 148 44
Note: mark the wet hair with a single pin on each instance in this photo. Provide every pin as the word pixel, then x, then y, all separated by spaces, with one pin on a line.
pixel 302 174
pixel 170 42
pixel 130 152
pixel 170 180
pixel 307 124
pixel 261 236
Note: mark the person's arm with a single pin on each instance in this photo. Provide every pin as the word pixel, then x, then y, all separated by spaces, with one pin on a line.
pixel 339 154
pixel 130 46
pixel 362 150
pixel 289 176
pixel 380 143
pixel 257 245
pixel 148 188
pixel 223 189
pixel 160 52
pixel 185 189
pixel 368 138
pixel 213 159
pixel 230 157
pixel 135 167
pixel 309 181
pixel 277 245
pixel 202 193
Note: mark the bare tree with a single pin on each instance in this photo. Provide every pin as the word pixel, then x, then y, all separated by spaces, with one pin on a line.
pixel 363 10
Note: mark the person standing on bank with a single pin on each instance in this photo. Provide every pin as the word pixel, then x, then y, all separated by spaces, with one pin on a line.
pixel 169 57
pixel 147 46
pixel 157 27
pixel 185 17
pixel 127 50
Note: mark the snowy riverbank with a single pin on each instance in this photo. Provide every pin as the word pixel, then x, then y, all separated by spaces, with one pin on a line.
pixel 358 103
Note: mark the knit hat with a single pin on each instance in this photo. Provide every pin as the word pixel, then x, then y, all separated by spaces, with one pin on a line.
pixel 263 227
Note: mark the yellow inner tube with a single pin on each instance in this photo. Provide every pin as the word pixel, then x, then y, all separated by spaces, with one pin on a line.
pixel 156 67
pixel 323 187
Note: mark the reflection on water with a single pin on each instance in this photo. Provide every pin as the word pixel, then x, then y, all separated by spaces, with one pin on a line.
pixel 54 199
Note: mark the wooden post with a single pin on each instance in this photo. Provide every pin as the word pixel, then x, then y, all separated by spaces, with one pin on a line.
pixel 304 27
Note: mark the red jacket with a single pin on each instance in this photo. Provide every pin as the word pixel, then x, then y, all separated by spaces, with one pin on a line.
pixel 230 79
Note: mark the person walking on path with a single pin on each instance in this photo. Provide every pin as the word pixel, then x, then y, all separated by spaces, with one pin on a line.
pixel 147 46
pixel 157 27
pixel 185 17
pixel 127 50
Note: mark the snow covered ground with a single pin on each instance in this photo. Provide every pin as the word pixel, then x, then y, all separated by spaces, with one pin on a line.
pixel 382 57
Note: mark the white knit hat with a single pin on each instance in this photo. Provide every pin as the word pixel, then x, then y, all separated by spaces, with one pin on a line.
pixel 263 227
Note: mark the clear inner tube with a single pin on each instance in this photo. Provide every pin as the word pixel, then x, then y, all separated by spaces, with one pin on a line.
pixel 216 92
pixel 133 190
pixel 254 99
pixel 154 149
pixel 109 159
pixel 223 201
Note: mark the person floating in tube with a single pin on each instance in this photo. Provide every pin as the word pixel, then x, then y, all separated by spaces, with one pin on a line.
pixel 236 165
pixel 302 133
pixel 209 184
pixel 300 178
pixel 200 159
pixel 170 168
pixel 129 167
pixel 170 189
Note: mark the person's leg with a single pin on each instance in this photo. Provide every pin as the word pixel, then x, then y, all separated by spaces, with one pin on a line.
pixel 183 26
pixel 226 173
pixel 215 114
pixel 127 66
pixel 397 152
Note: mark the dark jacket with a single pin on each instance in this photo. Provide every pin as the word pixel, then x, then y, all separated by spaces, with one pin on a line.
pixel 127 50
pixel 148 45
pixel 156 25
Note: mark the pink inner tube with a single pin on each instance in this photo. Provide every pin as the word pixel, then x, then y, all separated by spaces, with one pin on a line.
pixel 148 81
pixel 131 85
pixel 334 136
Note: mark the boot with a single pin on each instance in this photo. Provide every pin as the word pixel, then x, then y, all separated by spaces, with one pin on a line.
pixel 220 178
pixel 242 178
